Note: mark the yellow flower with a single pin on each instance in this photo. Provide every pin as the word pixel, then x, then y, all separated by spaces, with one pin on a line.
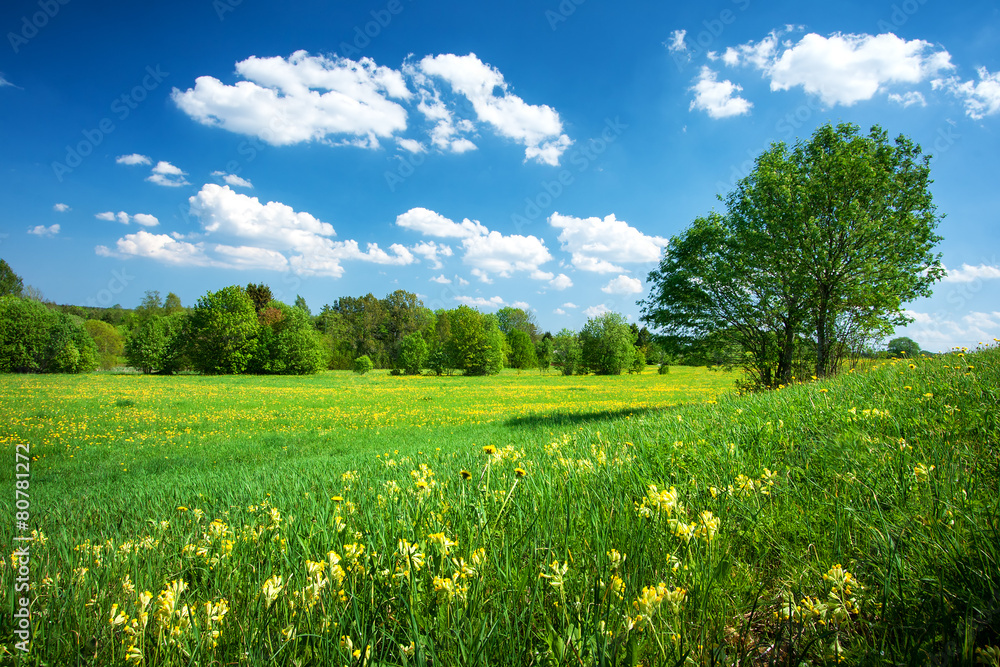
pixel 520 472
pixel 489 449
pixel 465 474
pixel 272 587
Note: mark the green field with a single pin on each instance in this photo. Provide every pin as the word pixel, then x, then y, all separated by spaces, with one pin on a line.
pixel 520 519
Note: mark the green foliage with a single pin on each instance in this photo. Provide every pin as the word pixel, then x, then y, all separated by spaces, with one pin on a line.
pixel 287 343
pixel 511 319
pixel 607 344
pixel 567 355
pixel 109 342
pixel 11 284
pixel 34 339
pixel 172 304
pixel 522 352
pixel 146 346
pixel 819 246
pixel 439 361
pixel 543 352
pixel 476 345
pixel 222 333
pixel 363 364
pixel 301 304
pixel 639 363
pixel 664 369
pixel 260 295
pixel 413 353
pixel 903 347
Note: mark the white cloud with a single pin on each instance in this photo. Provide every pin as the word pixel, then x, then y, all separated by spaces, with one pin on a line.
pixel 676 44
pixel 623 285
pixel 938 332
pixel 163 248
pixel 441 280
pixel 481 302
pixel 560 311
pixel 981 99
pixel 461 281
pixel 430 223
pixel 601 245
pixel 42 230
pixel 596 311
pixel 717 98
pixel 62 208
pixel 538 128
pixel 302 98
pixel 411 145
pixel 432 252
pixel 143 219
pixel 968 273
pixel 4 81
pixel 134 158
pixel 908 99
pixel 570 304
pixel 167 175
pixel 233 180
pixel 502 255
pixel 842 68
pixel 561 282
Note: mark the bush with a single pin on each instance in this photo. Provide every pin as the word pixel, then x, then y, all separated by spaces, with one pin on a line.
pixel 664 369
pixel 639 364
pixel 608 344
pixel 412 354
pixel 363 364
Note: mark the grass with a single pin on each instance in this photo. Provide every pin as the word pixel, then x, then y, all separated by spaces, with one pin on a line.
pixel 518 520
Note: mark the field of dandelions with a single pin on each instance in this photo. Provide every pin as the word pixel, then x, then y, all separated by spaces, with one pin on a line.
pixel 515 520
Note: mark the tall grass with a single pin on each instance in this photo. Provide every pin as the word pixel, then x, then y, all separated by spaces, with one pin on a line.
pixel 851 521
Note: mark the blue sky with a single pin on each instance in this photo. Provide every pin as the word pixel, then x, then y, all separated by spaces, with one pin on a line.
pixel 537 154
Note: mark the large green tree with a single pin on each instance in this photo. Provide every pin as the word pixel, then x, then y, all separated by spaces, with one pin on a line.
pixel 223 330
pixel 476 345
pixel 608 344
pixel 822 244
pixel 11 284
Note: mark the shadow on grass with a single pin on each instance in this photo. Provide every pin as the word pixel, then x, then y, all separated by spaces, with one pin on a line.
pixel 571 418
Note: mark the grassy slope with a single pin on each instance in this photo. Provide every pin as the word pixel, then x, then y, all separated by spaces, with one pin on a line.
pixel 799 480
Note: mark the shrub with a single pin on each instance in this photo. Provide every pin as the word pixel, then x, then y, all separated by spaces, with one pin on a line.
pixel 363 364
pixel 664 369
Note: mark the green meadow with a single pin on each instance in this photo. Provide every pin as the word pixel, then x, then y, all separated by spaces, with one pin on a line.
pixel 522 519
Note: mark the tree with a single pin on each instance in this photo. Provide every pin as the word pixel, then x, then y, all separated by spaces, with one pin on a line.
pixel 11 284
pixel 522 352
pixel 566 352
pixel 903 347
pixel 172 304
pixel 543 352
pixel 223 331
pixel 260 295
pixel 511 319
pixel 34 339
pixel 109 341
pixel 300 303
pixel 287 343
pixel 819 247
pixel 476 344
pixel 608 344
pixel 413 353
pixel 363 364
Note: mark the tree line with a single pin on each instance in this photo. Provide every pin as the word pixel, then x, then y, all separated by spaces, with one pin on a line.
pixel 243 329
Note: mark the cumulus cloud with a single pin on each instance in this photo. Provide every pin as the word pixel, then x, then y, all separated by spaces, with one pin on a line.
pixel 167 175
pixel 270 236
pixel 938 332
pixel 42 230
pixel 560 311
pixel 968 273
pixel 601 245
pixel 718 99
pixel 502 255
pixel 431 223
pixel 981 98
pixel 481 302
pixel 908 99
pixel 144 219
pixel 411 145
pixel 302 98
pixel 561 282
pixel 134 158
pixel 432 252
pixel 61 208
pixel 842 68
pixel 596 311
pixel 537 127
pixel 623 285
pixel 441 280
pixel 233 180
pixel 570 304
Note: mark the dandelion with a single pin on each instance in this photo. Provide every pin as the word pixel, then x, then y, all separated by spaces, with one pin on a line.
pixel 520 472
pixel 489 450
pixel 465 474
